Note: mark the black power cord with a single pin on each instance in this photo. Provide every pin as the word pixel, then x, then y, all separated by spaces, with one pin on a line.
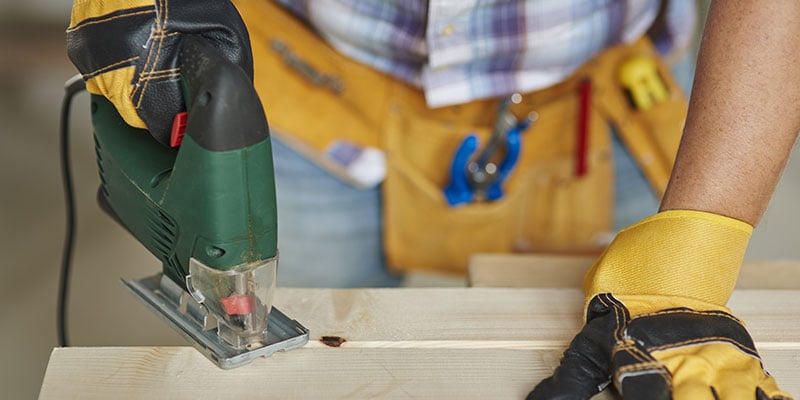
pixel 72 87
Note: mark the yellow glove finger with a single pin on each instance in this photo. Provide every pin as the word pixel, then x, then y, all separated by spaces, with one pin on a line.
pixel 717 371
pixel 698 353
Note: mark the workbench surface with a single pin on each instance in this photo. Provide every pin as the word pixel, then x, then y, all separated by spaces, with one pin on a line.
pixel 399 343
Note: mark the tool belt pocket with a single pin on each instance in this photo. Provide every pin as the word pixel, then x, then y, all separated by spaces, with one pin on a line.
pixel 421 231
pixel 551 205
pixel 642 99
pixel 546 207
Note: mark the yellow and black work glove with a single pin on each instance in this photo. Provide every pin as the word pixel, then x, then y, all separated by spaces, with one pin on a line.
pixel 657 327
pixel 127 51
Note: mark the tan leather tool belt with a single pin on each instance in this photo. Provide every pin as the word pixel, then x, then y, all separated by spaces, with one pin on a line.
pixel 548 205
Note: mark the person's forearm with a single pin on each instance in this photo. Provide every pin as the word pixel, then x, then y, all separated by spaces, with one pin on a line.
pixel 744 112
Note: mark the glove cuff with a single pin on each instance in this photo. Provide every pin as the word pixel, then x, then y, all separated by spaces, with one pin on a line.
pixel 676 253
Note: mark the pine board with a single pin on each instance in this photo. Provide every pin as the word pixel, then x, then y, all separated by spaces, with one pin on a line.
pixel 401 343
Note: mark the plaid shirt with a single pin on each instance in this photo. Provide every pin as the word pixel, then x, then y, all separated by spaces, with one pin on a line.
pixel 462 50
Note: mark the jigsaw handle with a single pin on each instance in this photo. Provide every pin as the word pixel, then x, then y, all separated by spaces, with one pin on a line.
pixel 208 79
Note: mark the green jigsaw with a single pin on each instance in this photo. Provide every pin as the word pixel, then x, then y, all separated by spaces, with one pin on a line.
pixel 206 209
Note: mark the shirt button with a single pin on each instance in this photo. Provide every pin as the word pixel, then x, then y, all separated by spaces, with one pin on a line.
pixel 448 30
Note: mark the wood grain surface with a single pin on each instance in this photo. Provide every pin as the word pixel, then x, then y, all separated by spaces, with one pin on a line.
pixel 400 343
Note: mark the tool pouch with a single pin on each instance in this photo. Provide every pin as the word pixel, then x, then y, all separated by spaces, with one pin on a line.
pixel 547 207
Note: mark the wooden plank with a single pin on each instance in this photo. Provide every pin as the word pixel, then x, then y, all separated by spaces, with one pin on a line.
pixel 401 343
pixel 181 373
pixel 544 271
pixel 319 373
pixel 514 317
pixel 557 271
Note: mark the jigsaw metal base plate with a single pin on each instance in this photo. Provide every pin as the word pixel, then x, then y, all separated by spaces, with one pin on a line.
pixel 191 320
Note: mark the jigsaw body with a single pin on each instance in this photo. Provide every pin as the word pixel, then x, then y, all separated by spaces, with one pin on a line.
pixel 206 209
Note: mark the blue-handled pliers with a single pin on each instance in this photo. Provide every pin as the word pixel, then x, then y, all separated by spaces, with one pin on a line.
pixel 479 178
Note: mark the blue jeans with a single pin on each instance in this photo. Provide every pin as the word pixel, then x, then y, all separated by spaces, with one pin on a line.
pixel 634 199
pixel 329 233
